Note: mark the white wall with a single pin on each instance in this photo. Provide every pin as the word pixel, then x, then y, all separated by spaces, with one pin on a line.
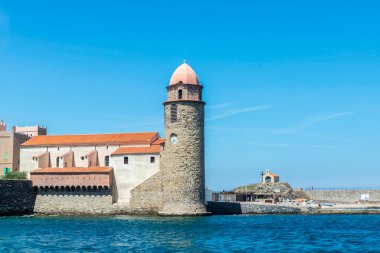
pixel 130 175
pixel 27 153
pixel 127 176
pixel 26 158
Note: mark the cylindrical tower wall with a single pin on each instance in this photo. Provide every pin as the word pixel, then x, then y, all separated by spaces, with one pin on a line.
pixel 184 170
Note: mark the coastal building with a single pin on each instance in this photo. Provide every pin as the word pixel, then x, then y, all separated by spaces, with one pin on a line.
pixel 270 177
pixel 258 192
pixel 131 157
pixel 10 143
pixel 270 190
pixel 224 196
pixel 134 172
pixel 31 130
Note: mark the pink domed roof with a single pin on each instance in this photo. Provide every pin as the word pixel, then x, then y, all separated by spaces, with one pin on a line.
pixel 184 74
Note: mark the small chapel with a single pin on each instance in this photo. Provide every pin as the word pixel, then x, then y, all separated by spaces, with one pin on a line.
pixel 269 178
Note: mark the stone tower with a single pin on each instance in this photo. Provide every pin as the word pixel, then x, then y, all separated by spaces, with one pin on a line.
pixel 183 160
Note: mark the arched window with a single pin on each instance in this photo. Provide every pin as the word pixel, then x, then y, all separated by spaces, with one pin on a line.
pixel 180 94
pixel 57 162
pixel 173 113
pixel 107 161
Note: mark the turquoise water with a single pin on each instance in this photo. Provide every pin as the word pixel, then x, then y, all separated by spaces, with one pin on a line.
pixel 267 233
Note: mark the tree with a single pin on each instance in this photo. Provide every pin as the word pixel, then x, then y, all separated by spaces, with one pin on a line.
pixel 15 175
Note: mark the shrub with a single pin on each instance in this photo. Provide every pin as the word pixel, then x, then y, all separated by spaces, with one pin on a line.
pixel 15 175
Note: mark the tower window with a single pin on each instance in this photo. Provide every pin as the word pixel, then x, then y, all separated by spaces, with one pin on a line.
pixel 152 159
pixel 57 162
pixel 107 161
pixel 126 160
pixel 173 113
pixel 180 94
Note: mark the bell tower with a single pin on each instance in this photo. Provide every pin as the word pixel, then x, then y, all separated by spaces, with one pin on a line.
pixel 183 159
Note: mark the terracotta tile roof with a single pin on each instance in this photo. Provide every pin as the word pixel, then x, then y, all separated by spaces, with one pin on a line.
pixel 159 141
pixel 154 149
pixel 92 139
pixel 74 170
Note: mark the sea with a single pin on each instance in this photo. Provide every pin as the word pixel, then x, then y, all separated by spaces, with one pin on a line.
pixel 240 233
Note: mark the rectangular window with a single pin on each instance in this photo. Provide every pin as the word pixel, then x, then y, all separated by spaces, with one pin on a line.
pixel 126 160
pixel 152 159
pixel 6 156
pixel 173 113
pixel 107 161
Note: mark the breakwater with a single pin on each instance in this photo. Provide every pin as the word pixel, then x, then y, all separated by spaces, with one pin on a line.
pixel 342 196
pixel 249 208
pixel 17 197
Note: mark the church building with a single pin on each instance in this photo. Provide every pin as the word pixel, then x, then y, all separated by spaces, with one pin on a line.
pixel 269 178
pixel 140 171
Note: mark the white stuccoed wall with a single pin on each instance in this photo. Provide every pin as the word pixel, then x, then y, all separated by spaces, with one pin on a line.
pixel 130 175
pixel 27 153
pixel 127 176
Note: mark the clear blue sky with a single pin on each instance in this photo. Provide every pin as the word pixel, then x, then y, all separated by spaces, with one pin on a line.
pixel 291 86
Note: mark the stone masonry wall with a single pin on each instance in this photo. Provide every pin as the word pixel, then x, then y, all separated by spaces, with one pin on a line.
pixel 189 92
pixel 347 196
pixel 16 197
pixel 146 198
pixel 66 202
pixel 184 175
